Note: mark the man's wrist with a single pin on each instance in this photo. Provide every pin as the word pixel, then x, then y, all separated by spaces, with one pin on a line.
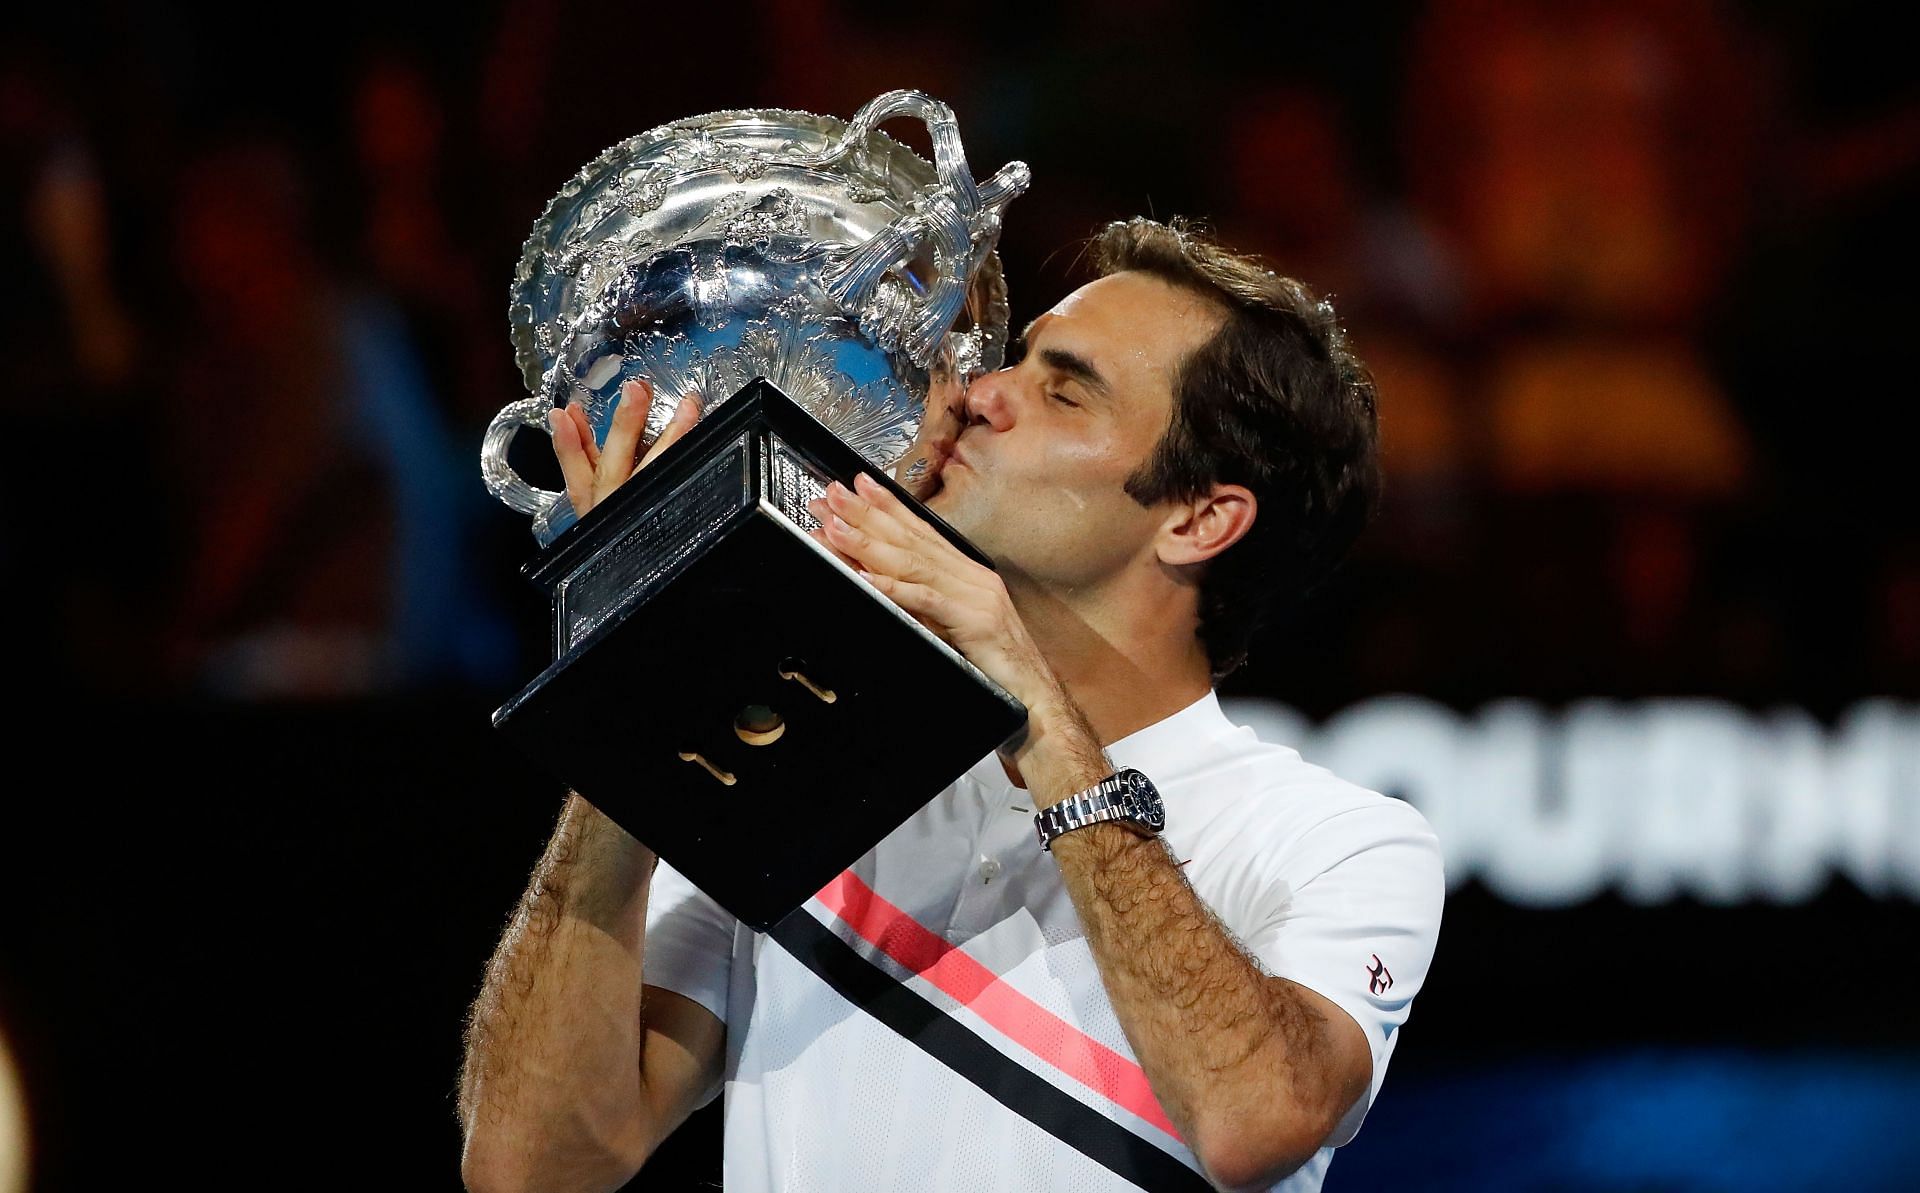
pixel 1100 844
pixel 595 870
pixel 1060 756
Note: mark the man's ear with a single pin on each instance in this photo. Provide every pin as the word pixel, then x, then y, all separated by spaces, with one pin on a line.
pixel 1197 530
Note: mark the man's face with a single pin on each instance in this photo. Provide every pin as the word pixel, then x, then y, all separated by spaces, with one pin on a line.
pixel 1037 478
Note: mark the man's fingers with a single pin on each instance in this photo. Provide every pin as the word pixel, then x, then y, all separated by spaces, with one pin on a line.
pixel 578 414
pixel 926 603
pixel 573 461
pixel 685 415
pixel 623 436
pixel 819 535
pixel 873 553
pixel 593 473
pixel 870 505
pixel 888 538
pixel 818 508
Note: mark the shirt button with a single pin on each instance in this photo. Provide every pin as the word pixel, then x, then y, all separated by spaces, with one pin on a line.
pixel 989 869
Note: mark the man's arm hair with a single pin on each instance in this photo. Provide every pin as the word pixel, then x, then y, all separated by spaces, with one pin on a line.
pixel 574 1072
pixel 1255 1071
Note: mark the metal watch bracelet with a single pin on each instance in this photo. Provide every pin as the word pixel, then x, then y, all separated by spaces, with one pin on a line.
pixel 1097 804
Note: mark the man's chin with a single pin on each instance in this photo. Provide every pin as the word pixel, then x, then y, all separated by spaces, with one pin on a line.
pixel 938 489
pixel 948 503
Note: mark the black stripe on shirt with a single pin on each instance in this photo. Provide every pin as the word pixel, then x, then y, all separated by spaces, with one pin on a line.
pixel 924 1025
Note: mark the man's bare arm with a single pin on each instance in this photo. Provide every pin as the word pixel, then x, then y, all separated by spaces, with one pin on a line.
pixel 573 1074
pixel 1256 1071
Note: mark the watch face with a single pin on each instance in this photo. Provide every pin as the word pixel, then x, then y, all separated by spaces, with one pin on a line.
pixel 1147 808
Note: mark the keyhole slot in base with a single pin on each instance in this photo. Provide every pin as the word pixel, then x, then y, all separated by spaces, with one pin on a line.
pixel 791 669
pixel 723 776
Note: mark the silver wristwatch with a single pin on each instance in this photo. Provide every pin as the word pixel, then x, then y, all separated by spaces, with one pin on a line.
pixel 1126 796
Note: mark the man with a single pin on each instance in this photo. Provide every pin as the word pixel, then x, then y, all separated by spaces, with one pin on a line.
pixel 1186 440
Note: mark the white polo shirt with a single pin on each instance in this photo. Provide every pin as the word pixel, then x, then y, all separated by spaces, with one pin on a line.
pixel 933 1019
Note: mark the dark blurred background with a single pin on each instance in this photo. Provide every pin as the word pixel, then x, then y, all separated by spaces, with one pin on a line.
pixel 1639 625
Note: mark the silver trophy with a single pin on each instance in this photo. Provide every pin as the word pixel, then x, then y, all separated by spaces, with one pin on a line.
pixel 723 686
pixel 821 255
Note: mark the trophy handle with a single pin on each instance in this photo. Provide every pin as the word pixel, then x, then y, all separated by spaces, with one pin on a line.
pixel 958 219
pixel 552 510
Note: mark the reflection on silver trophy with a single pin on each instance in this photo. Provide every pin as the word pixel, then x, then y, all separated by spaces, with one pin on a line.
pixel 821 255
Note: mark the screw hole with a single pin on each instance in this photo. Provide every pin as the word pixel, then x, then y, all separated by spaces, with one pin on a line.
pixel 758 725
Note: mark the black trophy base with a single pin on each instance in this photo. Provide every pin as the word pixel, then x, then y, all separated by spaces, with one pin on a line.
pixel 729 692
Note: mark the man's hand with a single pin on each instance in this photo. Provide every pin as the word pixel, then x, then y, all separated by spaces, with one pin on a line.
pixel 963 603
pixel 593 472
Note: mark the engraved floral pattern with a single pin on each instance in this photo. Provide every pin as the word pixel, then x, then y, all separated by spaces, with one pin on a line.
pixel 714 249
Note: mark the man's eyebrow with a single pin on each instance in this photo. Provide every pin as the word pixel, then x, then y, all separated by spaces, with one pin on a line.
pixel 1078 367
pixel 1071 363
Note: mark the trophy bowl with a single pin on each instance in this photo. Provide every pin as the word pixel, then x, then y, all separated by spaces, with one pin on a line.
pixel 822 255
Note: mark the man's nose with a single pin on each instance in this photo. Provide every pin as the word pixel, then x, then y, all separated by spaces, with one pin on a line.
pixel 989 400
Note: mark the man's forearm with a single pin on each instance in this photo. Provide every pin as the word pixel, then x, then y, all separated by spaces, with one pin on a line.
pixel 1214 1036
pixel 1217 1038
pixel 552 1071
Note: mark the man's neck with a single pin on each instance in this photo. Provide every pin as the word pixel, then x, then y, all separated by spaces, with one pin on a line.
pixel 1117 658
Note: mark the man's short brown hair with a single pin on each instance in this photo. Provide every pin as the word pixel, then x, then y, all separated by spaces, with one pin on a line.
pixel 1275 401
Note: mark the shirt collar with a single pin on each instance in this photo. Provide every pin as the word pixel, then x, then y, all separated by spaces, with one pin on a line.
pixel 1169 745
pixel 1172 742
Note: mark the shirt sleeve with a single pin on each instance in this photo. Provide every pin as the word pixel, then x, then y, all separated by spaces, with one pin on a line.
pixel 1361 931
pixel 689 945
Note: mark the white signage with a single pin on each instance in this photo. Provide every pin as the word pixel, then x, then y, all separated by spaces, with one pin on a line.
pixel 1652 799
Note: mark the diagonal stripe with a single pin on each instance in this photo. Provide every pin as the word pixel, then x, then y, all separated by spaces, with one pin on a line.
pixel 924 1025
pixel 963 978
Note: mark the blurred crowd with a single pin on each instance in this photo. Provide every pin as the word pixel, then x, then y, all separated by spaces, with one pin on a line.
pixel 1628 273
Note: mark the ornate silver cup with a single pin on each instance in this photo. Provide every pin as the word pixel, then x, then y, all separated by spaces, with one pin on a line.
pixel 821 255
pixel 724 687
